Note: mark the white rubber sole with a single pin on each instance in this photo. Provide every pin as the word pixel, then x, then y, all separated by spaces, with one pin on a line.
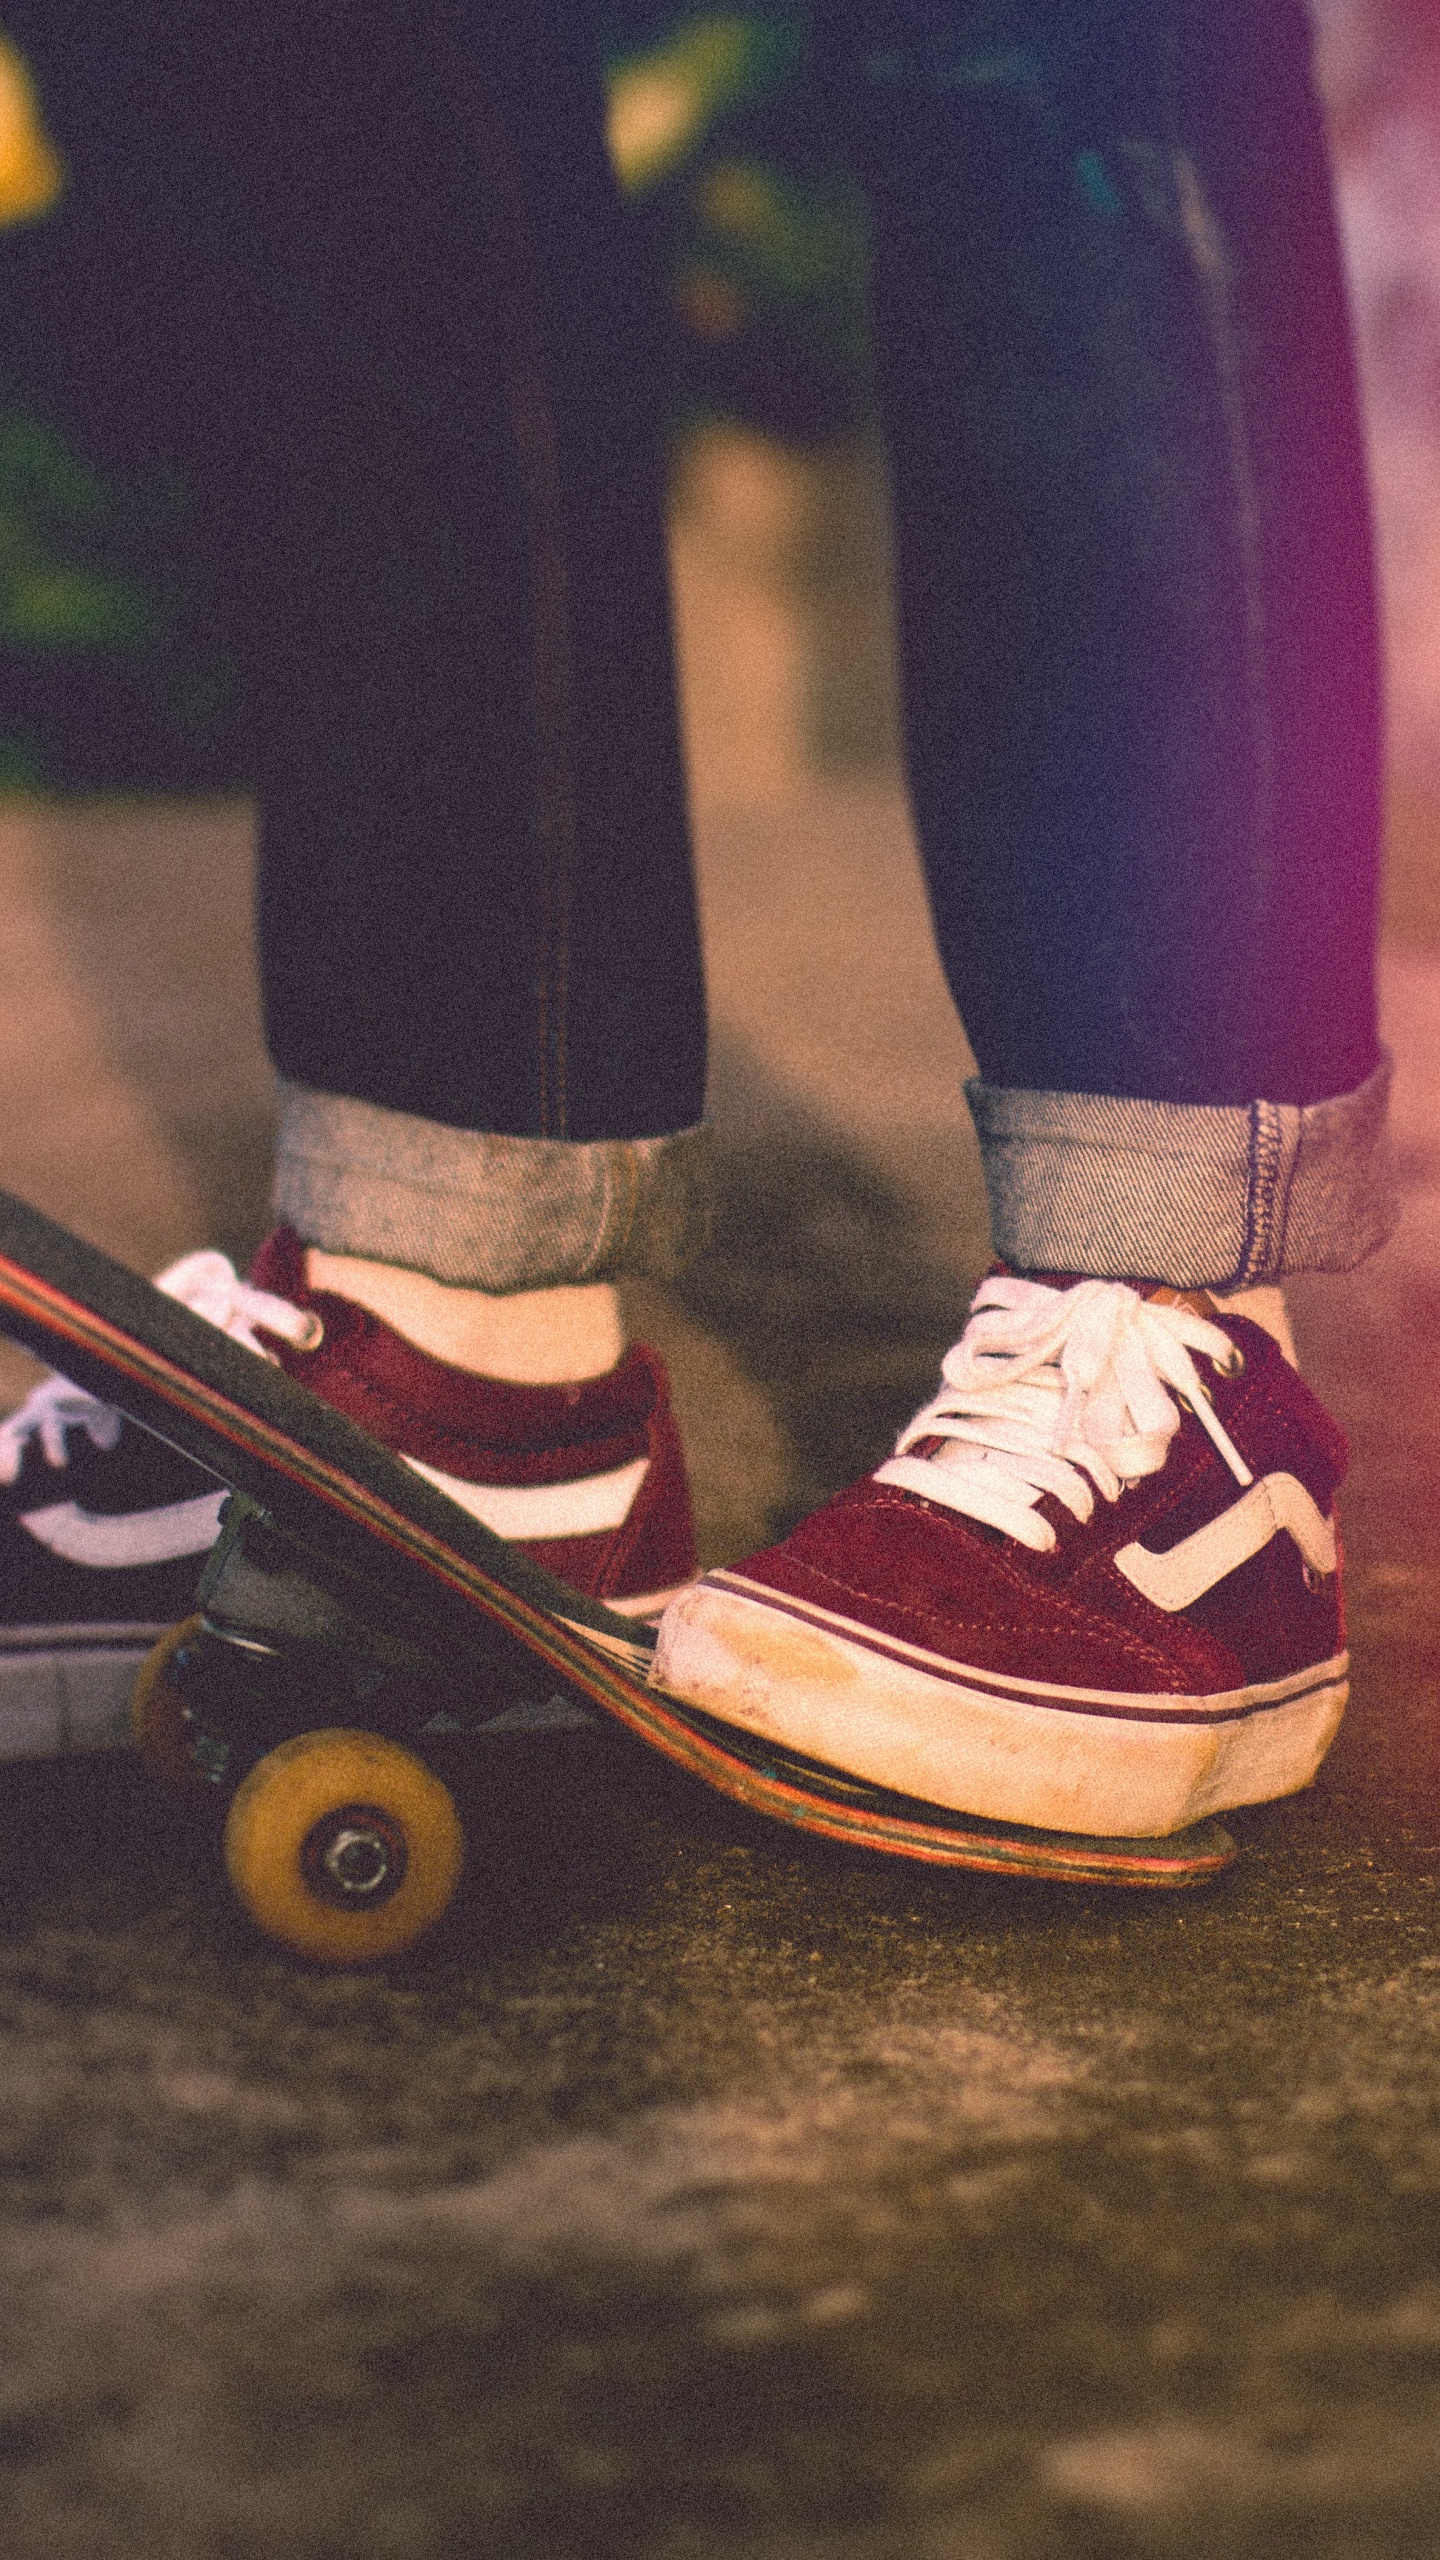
pixel 647 1604
pixel 1056 1758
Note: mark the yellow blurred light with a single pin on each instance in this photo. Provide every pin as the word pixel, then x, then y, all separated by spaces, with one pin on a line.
pixel 655 112
pixel 660 103
pixel 32 172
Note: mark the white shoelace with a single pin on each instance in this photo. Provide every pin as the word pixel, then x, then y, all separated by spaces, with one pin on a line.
pixel 1058 1391
pixel 210 1286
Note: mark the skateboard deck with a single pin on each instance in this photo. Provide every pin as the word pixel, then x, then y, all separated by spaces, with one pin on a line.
pixel 320 1502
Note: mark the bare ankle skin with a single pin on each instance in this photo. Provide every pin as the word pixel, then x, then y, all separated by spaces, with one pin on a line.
pixel 1265 1307
pixel 535 1337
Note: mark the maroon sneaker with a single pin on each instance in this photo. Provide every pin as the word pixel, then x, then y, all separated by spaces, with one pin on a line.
pixel 1096 1589
pixel 590 1480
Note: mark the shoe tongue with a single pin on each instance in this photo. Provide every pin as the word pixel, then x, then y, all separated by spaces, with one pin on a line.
pixel 279 1267
pixel 1199 1301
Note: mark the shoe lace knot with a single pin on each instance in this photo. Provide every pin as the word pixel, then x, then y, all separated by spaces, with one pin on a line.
pixel 210 1286
pixel 1064 1392
pixel 51 1412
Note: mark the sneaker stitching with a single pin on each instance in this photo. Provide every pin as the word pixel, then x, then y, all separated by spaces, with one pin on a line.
pixel 402 1419
pixel 1082 1622
pixel 1055 1694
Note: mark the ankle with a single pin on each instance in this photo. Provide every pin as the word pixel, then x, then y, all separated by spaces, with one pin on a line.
pixel 530 1337
pixel 1264 1306
pixel 1267 1308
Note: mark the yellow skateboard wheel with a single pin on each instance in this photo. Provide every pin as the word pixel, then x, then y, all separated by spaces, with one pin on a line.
pixel 157 1712
pixel 343 1847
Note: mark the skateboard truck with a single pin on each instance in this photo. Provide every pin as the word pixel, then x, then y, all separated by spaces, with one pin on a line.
pixel 293 1682
pixel 284 1639
pixel 299 1682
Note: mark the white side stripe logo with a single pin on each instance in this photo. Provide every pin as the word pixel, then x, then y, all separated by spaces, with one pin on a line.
pixel 110 1540
pixel 575 1510
pixel 1185 1573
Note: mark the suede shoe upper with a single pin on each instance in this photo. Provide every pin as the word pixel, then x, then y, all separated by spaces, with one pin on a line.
pixel 487 1432
pixel 886 1557
pixel 913 1568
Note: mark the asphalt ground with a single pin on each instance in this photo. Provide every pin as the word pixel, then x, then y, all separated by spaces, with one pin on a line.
pixel 701 2193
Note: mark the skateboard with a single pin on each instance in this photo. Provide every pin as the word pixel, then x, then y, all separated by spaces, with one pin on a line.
pixel 349 1611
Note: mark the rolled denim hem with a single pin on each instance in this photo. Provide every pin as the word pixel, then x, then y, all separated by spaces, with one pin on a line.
pixel 483 1211
pixel 1198 1195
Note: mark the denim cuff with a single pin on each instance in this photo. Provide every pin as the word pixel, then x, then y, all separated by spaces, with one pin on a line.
pixel 1194 1194
pixel 488 1212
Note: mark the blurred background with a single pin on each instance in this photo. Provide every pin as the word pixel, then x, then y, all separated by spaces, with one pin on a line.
pixel 112 660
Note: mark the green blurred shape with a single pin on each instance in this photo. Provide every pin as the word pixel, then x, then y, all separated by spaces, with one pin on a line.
pixel 23 767
pixel 44 608
pixel 113 670
pixel 664 99
pixel 798 237
pixel 62 585
pixel 757 229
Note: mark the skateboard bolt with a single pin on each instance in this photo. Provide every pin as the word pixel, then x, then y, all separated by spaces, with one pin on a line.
pixel 210 1753
pixel 355 1856
pixel 359 1861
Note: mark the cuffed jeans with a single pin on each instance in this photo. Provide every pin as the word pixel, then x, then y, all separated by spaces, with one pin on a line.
pixel 363 272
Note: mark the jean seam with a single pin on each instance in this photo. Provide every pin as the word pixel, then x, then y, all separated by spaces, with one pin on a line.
pixel 624 1170
pixel 1211 267
pixel 1272 1163
pixel 537 450
pixel 1261 1170
pixel 1202 1195
pixel 488 1210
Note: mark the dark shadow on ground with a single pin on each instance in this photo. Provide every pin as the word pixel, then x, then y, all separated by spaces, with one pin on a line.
pixel 834 1293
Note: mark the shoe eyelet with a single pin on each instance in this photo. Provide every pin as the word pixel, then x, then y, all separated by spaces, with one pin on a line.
pixel 1236 1365
pixel 314 1333
pixel 1314 1579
